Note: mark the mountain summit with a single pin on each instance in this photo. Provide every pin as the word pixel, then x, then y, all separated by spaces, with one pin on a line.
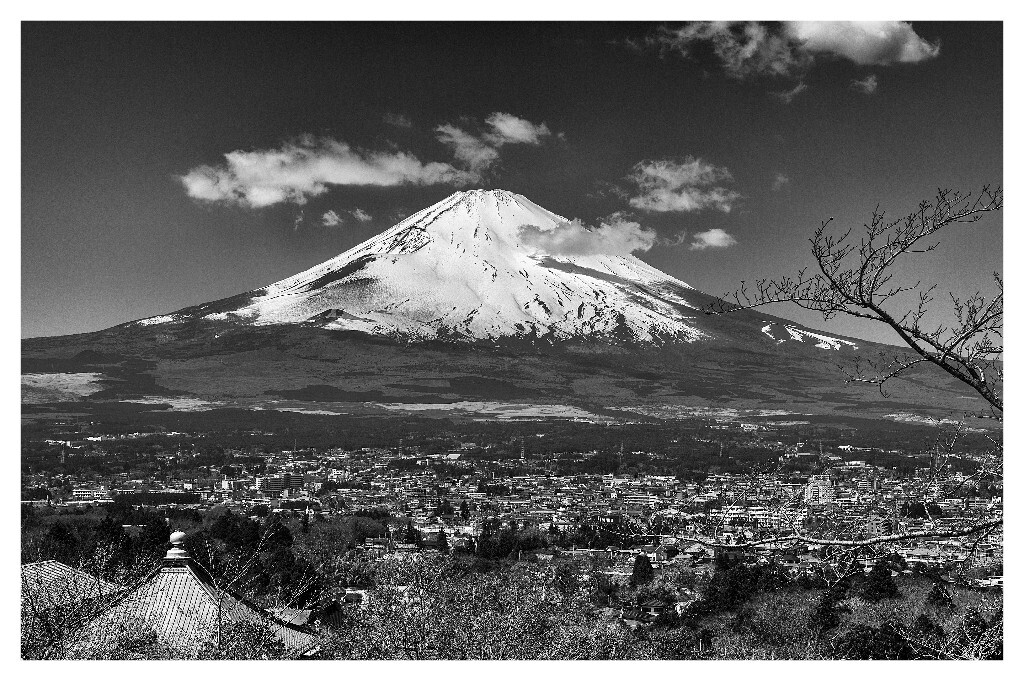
pixel 466 267
pixel 482 298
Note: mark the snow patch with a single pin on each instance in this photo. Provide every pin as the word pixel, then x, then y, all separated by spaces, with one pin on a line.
pixel 797 334
pixel 162 319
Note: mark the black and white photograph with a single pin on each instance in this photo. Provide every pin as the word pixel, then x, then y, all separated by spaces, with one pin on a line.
pixel 449 338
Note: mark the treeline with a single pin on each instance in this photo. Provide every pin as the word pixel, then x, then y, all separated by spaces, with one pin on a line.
pixel 271 430
pixel 271 558
pixel 117 542
pixel 157 498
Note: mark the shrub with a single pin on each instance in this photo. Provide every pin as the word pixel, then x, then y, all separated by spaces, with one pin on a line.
pixel 880 584
pixel 643 571
pixel 940 598
pixel 865 642
pixel 828 611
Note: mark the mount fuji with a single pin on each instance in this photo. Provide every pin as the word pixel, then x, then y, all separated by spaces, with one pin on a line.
pixel 463 268
pixel 480 297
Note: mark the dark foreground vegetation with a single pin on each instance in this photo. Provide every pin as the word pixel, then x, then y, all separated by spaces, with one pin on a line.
pixel 516 595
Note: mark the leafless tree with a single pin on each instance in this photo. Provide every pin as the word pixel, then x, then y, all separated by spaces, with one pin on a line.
pixel 863 276
pixel 864 280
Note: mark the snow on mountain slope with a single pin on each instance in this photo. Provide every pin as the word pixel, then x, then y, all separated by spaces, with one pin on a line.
pixel 798 334
pixel 460 268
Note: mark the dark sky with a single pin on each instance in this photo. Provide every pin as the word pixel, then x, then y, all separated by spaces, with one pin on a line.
pixel 113 115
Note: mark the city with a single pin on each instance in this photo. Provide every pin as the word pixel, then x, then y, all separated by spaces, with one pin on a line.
pixel 564 501
pixel 512 340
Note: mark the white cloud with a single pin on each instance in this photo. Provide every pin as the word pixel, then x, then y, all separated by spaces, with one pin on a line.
pixel 868 85
pixel 361 215
pixel 713 238
pixel 471 150
pixel 508 129
pixel 614 236
pixel 479 150
pixel 331 219
pixel 749 48
pixel 307 168
pixel 670 186
pixel 786 96
pixel 868 43
pixel 779 181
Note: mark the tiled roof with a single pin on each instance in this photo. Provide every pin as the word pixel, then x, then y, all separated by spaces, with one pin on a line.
pixel 180 603
pixel 51 584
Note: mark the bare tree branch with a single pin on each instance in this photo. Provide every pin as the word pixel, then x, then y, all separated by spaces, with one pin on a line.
pixel 858 280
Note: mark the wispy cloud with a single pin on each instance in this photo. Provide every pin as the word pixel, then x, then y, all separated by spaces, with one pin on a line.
pixel 308 167
pixel 673 241
pixel 614 235
pixel 743 48
pixel 713 238
pixel 779 182
pixel 868 85
pixel 787 96
pixel 396 119
pixel 671 186
pixel 478 146
pixel 474 152
pixel 331 219
pixel 749 48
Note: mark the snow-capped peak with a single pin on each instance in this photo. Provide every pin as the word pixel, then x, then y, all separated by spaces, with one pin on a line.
pixel 461 269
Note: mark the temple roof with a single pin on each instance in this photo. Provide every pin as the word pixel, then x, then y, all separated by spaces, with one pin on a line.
pixel 186 610
pixel 50 583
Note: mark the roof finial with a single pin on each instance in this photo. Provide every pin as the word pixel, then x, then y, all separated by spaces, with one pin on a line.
pixel 176 551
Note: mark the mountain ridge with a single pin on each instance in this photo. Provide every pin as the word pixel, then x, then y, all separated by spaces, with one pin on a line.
pixel 452 305
pixel 463 265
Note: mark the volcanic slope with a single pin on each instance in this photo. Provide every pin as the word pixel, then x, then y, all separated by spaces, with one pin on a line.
pixel 456 303
pixel 461 268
